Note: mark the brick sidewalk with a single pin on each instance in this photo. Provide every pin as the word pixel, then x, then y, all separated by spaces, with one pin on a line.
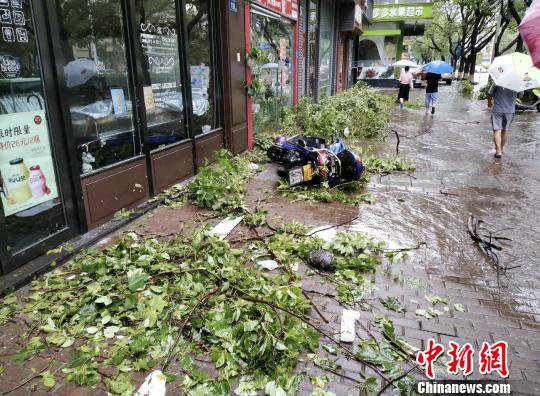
pixel 483 321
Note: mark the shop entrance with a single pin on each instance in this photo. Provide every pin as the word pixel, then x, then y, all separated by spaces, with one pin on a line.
pixel 273 35
pixel 37 210
pixel 139 95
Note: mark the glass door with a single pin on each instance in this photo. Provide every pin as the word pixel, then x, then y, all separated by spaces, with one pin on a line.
pixel 33 216
pixel 96 86
pixel 273 35
pixel 162 83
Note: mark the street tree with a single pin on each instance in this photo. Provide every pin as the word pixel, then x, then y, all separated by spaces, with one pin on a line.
pixel 508 39
pixel 462 29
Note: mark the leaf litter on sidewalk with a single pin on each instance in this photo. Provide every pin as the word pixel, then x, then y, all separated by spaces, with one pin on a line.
pixel 143 303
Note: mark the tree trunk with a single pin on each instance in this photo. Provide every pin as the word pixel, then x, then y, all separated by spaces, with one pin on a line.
pixel 462 60
pixel 519 44
pixel 472 66
pixel 465 75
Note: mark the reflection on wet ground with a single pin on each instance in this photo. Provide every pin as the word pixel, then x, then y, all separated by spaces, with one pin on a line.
pixel 457 175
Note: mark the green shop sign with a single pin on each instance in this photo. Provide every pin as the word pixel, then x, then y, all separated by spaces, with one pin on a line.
pixel 402 12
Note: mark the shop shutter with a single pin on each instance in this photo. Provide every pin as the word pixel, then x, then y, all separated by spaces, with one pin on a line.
pixel 302 31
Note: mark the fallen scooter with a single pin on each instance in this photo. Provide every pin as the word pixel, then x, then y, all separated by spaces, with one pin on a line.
pixel 305 159
pixel 530 101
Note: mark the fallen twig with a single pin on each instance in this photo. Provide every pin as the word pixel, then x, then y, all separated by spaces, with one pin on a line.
pixel 29 379
pixel 315 307
pixel 384 388
pixel 186 319
pixel 486 243
pixel 398 141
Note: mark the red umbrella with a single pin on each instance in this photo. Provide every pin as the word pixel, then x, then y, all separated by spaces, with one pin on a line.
pixel 530 30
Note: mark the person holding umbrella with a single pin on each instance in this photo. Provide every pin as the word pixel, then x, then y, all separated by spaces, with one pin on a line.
pixel 405 85
pixel 434 71
pixel 512 74
pixel 405 80
pixel 502 114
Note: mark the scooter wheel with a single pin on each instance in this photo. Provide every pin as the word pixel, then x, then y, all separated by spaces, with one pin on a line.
pixel 538 107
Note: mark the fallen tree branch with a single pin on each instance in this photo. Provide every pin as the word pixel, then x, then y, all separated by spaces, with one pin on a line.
pixel 398 141
pixel 384 388
pixel 348 352
pixel 186 319
pixel 486 244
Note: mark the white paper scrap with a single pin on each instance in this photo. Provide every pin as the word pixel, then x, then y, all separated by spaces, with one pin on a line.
pixel 326 233
pixel 270 265
pixel 348 319
pixel 153 385
pixel 225 227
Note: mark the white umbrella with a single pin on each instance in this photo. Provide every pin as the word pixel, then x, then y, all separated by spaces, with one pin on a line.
pixel 79 71
pixel 515 72
pixel 405 62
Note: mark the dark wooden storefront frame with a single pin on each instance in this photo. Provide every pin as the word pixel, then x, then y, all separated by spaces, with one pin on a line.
pixel 157 160
pixel 191 152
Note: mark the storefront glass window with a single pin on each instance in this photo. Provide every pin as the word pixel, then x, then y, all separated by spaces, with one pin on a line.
pixel 326 49
pixel 30 195
pixel 376 56
pixel 96 80
pixel 162 84
pixel 201 66
pixel 274 36
pixel 312 28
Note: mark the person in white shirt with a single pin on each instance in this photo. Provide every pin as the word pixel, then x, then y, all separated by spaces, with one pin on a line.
pixel 405 85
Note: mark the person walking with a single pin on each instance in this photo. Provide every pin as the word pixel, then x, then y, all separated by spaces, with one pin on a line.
pixel 405 85
pixel 502 113
pixel 432 91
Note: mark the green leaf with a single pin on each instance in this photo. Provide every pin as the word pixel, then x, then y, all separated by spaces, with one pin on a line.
pixel 92 330
pixel 105 300
pixel 280 346
pixel 121 385
pixel 330 348
pixel 50 327
pixel 110 331
pixel 137 279
pixel 393 304
pixel 371 385
pixel 459 307
pixel 428 313
pixel 48 379
pixel 432 298
pixel 271 389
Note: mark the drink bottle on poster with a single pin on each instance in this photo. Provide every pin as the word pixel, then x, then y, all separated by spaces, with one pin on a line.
pixel 27 175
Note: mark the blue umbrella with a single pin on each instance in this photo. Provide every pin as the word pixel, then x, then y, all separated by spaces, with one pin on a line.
pixel 438 67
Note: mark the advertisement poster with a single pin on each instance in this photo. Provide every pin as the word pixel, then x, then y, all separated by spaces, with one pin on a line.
pixel 119 101
pixel 160 47
pixel 27 176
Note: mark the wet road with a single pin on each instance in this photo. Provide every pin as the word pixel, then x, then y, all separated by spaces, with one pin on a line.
pixel 457 175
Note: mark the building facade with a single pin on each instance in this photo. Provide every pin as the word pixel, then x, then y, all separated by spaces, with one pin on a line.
pixel 106 103
pixel 328 30
pixel 393 28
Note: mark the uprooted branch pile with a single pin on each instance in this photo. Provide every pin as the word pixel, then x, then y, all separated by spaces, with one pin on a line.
pixel 363 110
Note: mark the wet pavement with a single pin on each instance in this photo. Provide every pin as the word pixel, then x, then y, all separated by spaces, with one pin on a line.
pixel 457 175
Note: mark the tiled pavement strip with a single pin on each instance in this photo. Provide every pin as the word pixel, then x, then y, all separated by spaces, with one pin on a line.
pixel 409 210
